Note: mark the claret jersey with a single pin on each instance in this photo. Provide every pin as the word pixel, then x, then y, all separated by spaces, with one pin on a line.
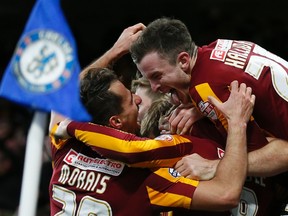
pixel 223 61
pixel 257 196
pixel 84 182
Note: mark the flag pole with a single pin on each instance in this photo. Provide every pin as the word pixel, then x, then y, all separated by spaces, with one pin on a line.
pixel 32 165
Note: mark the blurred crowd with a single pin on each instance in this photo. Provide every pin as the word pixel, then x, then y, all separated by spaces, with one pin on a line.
pixel 15 121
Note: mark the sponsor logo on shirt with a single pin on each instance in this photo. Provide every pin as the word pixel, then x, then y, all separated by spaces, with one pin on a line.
pixel 84 162
pixel 207 109
pixel 220 51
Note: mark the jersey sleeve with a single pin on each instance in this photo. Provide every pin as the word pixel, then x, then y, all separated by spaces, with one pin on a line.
pixel 163 151
pixel 166 188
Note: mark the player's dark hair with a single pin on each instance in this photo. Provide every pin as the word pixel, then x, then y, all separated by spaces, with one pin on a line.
pixel 166 36
pixel 100 103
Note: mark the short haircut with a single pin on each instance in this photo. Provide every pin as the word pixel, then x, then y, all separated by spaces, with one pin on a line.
pixel 100 103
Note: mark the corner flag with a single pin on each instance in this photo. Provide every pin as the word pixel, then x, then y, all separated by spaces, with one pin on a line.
pixel 44 69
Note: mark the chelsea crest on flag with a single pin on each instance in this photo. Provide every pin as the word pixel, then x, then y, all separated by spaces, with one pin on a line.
pixel 44 71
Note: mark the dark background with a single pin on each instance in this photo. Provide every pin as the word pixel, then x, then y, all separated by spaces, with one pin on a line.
pixel 97 24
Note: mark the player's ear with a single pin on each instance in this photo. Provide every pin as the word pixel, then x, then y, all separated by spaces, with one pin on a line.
pixel 115 122
pixel 183 60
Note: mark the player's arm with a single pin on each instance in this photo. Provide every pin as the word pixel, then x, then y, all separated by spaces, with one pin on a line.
pixel 119 49
pixel 224 190
pixel 135 151
pixel 261 162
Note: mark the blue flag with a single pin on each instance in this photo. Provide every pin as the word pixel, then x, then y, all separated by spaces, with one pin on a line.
pixel 43 73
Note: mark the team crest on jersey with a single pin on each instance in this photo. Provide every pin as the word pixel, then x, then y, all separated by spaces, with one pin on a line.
pixel 43 61
pixel 85 162
pixel 173 172
pixel 207 109
pixel 220 51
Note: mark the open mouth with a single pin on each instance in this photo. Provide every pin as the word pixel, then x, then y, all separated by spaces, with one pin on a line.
pixel 175 97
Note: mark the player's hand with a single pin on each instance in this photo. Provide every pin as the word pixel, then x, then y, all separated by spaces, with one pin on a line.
pixel 127 37
pixel 196 167
pixel 182 118
pixel 239 106
pixel 61 131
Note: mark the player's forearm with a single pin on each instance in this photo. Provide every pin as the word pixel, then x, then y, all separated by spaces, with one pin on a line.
pixel 232 169
pixel 262 161
pixel 128 148
pixel 224 190
pixel 106 60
